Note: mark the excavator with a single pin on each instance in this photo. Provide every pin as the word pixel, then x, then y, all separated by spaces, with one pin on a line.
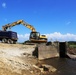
pixel 34 37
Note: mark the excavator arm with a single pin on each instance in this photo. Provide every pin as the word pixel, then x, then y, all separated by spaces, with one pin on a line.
pixel 8 26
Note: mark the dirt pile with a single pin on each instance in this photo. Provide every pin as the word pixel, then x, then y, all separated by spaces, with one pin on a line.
pixel 71 50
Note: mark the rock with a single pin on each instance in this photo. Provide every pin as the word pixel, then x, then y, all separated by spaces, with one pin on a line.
pixel 49 68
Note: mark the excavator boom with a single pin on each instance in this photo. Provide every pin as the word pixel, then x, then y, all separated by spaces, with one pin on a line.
pixel 8 26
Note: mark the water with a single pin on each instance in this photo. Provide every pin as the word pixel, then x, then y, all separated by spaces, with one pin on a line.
pixel 64 66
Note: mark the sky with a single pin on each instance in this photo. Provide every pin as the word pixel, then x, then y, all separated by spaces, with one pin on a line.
pixel 54 18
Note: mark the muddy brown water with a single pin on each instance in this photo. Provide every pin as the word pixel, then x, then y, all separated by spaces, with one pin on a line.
pixel 64 66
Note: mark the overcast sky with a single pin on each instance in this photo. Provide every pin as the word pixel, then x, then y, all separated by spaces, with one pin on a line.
pixel 55 18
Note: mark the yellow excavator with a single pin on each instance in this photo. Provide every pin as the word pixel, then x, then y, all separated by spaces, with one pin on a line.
pixel 35 36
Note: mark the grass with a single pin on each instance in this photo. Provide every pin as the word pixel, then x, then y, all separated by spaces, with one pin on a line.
pixel 72 46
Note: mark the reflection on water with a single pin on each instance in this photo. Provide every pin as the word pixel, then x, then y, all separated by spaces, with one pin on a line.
pixel 64 66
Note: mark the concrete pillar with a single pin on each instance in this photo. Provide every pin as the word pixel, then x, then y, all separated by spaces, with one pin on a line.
pixel 62 49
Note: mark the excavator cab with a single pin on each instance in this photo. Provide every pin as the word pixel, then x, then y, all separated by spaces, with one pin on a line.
pixel 35 37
